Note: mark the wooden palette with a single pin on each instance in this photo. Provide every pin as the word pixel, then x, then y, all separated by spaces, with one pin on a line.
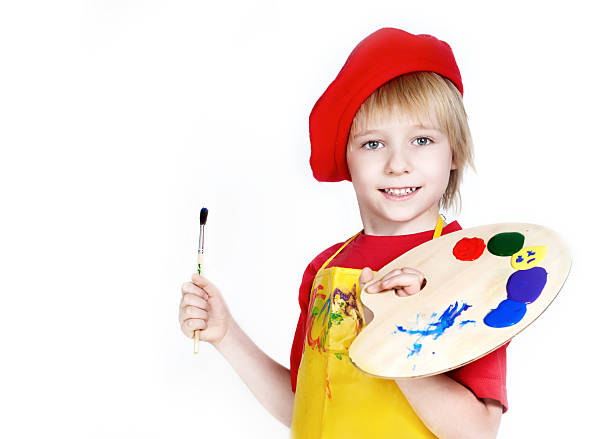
pixel 443 326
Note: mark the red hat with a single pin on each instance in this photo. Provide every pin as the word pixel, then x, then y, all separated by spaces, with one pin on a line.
pixel 380 57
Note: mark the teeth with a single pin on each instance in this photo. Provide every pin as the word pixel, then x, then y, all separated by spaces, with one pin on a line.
pixel 403 191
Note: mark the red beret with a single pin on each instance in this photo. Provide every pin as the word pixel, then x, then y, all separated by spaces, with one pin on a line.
pixel 380 57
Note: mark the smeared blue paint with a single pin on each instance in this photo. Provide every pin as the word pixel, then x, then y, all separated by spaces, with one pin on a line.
pixel 445 321
pixel 435 328
pixel 415 350
pixel 526 285
pixel 508 313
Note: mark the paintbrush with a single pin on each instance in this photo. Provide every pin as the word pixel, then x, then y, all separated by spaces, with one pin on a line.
pixel 203 216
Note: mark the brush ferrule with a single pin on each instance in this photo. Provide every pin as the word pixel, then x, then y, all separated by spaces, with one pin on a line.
pixel 201 240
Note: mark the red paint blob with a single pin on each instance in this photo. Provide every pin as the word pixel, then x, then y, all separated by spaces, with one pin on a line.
pixel 469 249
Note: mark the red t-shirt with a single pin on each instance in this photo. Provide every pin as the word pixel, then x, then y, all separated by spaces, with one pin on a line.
pixel 485 377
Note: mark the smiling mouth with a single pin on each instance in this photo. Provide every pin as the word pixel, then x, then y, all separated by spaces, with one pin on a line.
pixel 400 191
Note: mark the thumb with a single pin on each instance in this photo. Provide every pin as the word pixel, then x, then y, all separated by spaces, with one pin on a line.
pixel 205 284
pixel 366 275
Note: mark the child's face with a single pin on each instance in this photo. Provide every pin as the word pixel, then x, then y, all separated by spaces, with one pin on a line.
pixel 396 153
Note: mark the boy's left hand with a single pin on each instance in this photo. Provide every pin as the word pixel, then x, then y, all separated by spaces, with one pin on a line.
pixel 405 281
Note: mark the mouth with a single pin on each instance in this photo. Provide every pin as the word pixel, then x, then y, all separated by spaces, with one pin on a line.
pixel 399 193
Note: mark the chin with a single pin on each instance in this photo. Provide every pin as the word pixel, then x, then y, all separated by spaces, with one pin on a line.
pixel 399 217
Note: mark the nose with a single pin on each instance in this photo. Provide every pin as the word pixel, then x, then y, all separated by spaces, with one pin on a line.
pixel 398 162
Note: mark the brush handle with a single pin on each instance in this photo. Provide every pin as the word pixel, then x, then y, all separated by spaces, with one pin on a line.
pixel 196 334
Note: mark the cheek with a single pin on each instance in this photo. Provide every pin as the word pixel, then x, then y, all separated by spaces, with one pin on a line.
pixel 438 166
pixel 358 166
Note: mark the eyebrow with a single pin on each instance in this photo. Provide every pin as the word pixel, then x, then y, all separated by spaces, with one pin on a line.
pixel 366 132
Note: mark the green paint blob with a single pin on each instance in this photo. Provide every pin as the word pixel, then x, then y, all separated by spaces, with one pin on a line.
pixel 336 318
pixel 338 356
pixel 506 244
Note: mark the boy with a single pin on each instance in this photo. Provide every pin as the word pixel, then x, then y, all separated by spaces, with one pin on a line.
pixel 392 123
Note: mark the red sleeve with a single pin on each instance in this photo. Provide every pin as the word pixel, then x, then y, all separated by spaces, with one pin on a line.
pixel 298 339
pixel 485 377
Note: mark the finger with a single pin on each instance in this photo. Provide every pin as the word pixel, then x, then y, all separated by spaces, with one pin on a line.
pixel 192 299
pixel 377 286
pixel 403 292
pixel 190 325
pixel 407 270
pixel 419 274
pixel 409 281
pixel 406 284
pixel 401 280
pixel 392 273
pixel 190 288
pixel 411 270
pixel 192 312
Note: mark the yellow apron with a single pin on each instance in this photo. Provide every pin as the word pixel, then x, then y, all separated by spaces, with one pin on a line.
pixel 334 399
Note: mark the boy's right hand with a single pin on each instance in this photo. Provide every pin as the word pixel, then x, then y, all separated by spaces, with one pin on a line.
pixel 202 307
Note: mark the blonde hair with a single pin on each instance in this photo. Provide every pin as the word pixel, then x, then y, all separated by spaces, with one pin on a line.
pixel 428 98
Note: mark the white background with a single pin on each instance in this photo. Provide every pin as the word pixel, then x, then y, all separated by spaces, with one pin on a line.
pixel 119 120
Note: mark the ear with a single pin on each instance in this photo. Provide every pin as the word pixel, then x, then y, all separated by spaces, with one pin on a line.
pixel 453 164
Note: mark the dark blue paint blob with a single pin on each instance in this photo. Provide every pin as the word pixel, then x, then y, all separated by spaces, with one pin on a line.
pixel 465 322
pixel 507 313
pixel 526 285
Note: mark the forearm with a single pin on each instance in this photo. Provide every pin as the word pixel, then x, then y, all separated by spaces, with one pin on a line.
pixel 268 380
pixel 449 409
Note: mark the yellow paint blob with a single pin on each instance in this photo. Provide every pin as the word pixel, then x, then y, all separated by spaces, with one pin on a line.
pixel 528 257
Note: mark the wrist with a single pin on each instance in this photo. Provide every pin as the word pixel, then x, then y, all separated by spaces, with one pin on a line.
pixel 228 339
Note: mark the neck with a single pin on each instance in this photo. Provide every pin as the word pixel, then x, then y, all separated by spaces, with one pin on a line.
pixel 427 220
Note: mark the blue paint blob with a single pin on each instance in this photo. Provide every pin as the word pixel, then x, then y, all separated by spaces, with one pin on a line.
pixel 401 329
pixel 507 313
pixel 526 285
pixel 465 322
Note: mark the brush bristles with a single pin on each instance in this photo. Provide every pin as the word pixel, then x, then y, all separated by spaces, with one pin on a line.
pixel 203 216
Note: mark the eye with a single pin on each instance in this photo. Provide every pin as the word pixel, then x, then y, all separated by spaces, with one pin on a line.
pixel 423 138
pixel 370 142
